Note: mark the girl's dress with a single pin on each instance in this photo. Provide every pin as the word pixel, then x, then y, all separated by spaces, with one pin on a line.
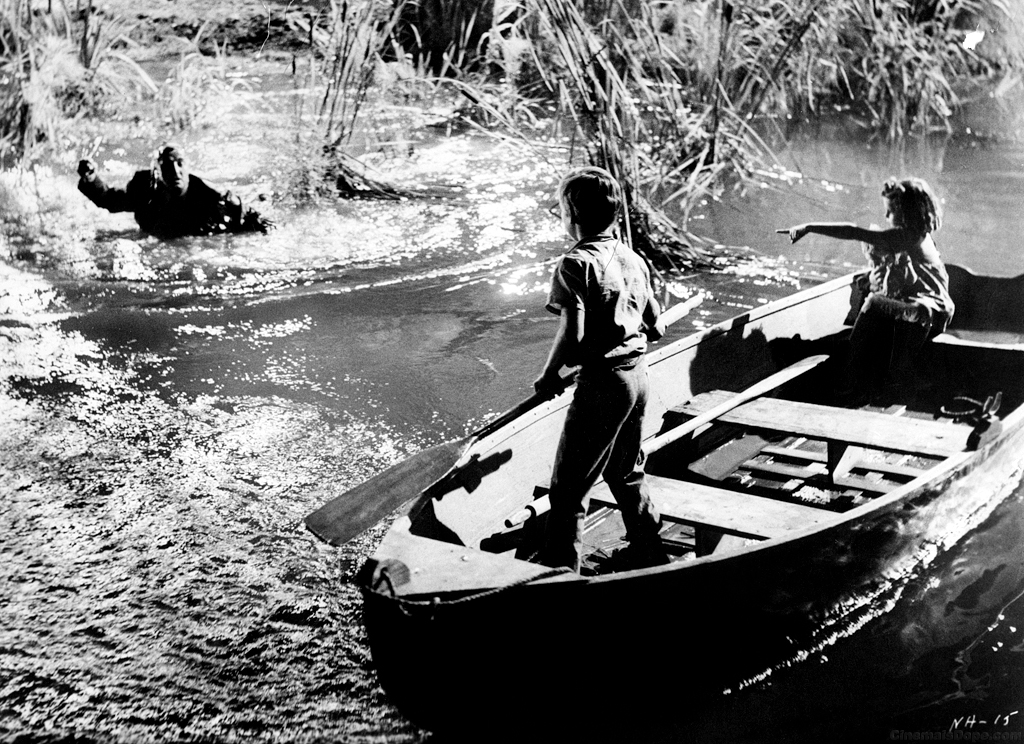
pixel 915 281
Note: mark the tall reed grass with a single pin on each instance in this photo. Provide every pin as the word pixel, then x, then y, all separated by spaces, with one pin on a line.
pixel 348 47
pixel 51 71
pixel 194 82
pixel 675 97
pixel 899 66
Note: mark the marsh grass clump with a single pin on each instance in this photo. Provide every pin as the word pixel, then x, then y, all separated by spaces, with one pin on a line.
pixel 359 34
pixel 194 82
pixel 348 45
pixel 356 66
pixel 446 37
pixel 630 109
pixel 898 66
pixel 909 64
pixel 615 101
pixel 53 69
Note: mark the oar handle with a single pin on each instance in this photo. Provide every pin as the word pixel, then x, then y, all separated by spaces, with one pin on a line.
pixel 525 406
pixel 535 508
pixel 680 309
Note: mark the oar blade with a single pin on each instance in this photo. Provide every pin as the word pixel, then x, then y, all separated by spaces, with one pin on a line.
pixel 358 509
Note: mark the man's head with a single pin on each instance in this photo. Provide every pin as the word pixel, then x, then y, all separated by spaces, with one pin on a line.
pixel 591 201
pixel 171 169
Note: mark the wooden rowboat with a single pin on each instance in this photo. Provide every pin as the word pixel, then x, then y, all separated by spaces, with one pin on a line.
pixel 791 521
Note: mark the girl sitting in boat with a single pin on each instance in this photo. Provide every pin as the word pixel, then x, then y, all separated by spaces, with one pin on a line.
pixel 908 297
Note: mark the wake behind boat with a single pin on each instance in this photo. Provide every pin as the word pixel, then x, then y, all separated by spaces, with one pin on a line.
pixel 790 520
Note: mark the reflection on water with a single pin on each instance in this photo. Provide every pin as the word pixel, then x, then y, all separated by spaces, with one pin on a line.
pixel 173 409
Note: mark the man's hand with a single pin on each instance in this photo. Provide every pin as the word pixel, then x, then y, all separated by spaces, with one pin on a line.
pixel 258 222
pixel 795 233
pixel 86 169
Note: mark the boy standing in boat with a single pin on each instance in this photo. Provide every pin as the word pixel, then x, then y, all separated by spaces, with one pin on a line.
pixel 908 299
pixel 602 292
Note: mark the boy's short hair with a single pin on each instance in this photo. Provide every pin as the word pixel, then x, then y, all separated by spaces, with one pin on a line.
pixel 593 197
pixel 916 203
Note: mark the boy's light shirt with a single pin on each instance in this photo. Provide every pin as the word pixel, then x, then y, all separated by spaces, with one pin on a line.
pixel 612 285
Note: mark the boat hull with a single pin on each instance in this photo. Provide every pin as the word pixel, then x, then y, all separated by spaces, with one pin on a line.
pixel 464 663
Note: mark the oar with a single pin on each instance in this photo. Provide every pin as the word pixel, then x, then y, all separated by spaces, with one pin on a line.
pixel 754 391
pixel 345 516
pixel 541 505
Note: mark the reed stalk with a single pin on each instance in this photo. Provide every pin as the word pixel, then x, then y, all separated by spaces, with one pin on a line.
pixel 633 114
pixel 358 36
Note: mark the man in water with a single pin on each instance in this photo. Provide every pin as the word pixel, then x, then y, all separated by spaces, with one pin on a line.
pixel 168 201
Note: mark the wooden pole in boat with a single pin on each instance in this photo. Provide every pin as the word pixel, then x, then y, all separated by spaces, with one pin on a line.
pixel 541 505
pixel 754 391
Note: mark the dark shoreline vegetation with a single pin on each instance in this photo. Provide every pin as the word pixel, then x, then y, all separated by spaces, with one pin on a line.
pixel 680 99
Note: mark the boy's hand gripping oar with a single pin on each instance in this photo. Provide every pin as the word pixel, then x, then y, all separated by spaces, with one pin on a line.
pixel 541 505
pixel 345 516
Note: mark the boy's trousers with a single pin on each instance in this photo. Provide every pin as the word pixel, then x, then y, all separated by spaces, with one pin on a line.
pixel 602 436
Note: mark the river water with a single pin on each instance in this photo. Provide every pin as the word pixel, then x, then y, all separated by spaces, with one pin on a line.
pixel 171 410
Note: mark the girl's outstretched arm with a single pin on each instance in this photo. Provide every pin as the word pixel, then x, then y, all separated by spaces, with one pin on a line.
pixel 877 237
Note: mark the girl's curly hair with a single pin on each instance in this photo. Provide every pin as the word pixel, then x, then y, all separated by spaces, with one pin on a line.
pixel 913 204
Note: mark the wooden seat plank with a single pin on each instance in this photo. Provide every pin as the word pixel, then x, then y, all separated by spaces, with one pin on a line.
pixel 865 484
pixel 848 426
pixel 803 472
pixel 878 466
pixel 725 511
pixel 888 468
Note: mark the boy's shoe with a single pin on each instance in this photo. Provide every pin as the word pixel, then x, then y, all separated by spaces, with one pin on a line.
pixel 594 564
pixel 634 556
